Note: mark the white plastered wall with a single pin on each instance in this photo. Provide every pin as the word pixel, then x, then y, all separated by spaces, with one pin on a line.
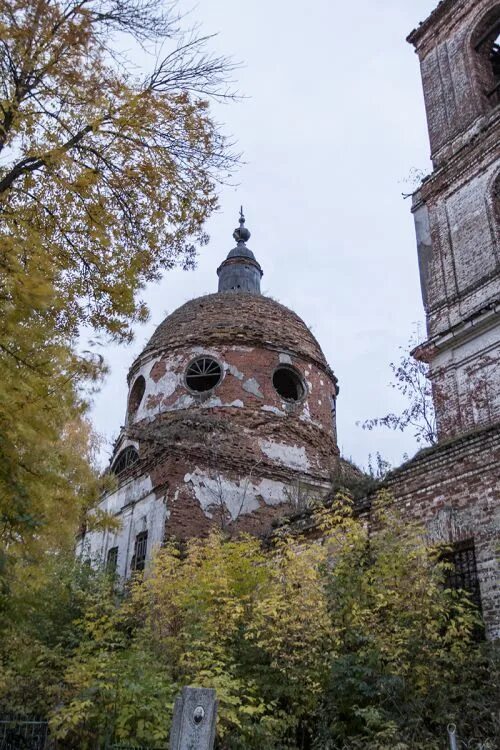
pixel 136 508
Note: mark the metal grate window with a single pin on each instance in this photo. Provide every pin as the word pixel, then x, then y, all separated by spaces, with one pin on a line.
pixel 112 560
pixel 203 374
pixel 140 549
pixel 17 733
pixel 463 574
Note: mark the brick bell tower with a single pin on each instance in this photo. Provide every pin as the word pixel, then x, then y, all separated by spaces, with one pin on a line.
pixel 457 212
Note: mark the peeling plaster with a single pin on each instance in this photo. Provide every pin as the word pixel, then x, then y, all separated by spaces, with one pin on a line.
pixel 157 389
pixel 306 414
pixel 252 386
pixel 273 410
pixel 133 490
pixel 215 401
pixel 170 381
pixel 238 497
pixel 136 507
pixel 195 350
pixel 234 371
pixel 154 366
pixel 183 402
pixel 293 456
pixel 211 402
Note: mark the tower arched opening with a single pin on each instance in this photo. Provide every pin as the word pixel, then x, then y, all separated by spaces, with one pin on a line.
pixel 486 46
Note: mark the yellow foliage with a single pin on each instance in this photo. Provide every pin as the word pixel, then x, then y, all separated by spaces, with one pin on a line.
pixel 105 179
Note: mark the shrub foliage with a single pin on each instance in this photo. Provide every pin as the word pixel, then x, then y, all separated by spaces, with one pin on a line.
pixel 344 641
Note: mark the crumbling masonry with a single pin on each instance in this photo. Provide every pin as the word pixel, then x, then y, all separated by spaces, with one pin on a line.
pixel 230 420
pixel 231 409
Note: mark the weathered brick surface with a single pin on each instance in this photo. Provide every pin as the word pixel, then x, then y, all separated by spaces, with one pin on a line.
pixel 453 74
pixel 233 318
pixel 460 273
pixel 239 455
pixel 454 490
pixel 457 216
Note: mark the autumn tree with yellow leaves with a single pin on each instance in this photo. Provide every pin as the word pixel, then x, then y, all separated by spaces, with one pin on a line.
pixel 107 175
pixel 339 642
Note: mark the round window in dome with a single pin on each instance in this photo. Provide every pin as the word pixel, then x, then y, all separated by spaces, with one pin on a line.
pixel 288 383
pixel 203 374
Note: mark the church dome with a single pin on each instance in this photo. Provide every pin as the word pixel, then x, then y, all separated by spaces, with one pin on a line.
pixel 238 319
pixel 230 416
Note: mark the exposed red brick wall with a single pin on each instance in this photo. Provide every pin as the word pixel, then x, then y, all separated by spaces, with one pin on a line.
pixel 241 436
pixel 454 490
pixel 235 318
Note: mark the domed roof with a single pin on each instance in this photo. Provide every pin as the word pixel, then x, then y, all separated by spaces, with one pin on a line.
pixel 240 272
pixel 236 318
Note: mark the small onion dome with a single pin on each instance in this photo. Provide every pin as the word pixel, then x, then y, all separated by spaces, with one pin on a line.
pixel 240 272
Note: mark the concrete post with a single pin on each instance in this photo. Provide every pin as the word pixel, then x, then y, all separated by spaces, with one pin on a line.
pixel 452 736
pixel 195 715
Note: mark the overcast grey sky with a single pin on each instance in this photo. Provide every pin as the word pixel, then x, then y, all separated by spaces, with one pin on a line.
pixel 332 125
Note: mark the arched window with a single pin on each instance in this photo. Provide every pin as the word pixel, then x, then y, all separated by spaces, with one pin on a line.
pixel 496 199
pixel 126 458
pixel 486 44
pixel 136 395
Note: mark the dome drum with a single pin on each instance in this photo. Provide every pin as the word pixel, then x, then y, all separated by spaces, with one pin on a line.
pixel 250 378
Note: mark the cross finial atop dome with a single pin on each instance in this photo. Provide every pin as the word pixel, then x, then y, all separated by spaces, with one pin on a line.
pixel 240 272
pixel 241 233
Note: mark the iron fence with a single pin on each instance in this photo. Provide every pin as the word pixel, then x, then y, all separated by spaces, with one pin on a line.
pixel 18 733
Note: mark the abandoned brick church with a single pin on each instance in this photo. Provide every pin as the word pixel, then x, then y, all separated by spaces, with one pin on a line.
pixel 231 406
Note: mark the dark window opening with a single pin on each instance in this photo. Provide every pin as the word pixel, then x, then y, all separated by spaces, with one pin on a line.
pixel 463 571
pixel 128 457
pixel 495 57
pixel 203 374
pixel 496 200
pixel 112 560
pixel 334 412
pixel 487 46
pixel 288 383
pixel 140 549
pixel 136 395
